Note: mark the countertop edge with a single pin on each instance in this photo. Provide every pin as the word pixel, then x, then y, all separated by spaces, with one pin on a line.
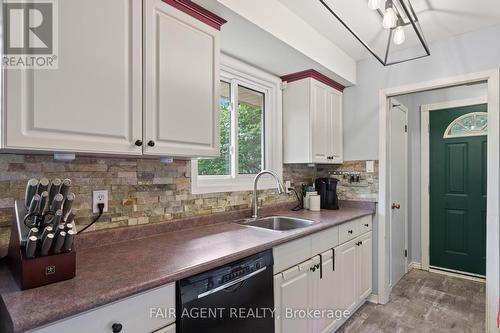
pixel 180 274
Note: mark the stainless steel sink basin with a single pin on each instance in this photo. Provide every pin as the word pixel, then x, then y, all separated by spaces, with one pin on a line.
pixel 278 223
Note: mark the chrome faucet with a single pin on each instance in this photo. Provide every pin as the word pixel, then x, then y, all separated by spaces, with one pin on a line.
pixel 279 188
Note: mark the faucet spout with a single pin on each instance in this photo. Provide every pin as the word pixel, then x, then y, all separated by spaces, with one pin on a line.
pixel 279 188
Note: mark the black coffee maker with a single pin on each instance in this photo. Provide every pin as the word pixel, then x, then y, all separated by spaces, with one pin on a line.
pixel 327 189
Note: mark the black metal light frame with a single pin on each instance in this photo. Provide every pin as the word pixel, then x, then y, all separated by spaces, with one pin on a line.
pixel 384 61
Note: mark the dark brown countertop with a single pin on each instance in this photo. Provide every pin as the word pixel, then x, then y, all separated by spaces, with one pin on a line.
pixel 115 271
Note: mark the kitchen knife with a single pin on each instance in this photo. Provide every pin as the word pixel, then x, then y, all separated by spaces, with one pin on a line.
pixel 59 242
pixel 34 204
pixel 44 200
pixel 66 184
pixel 31 247
pixel 33 232
pixel 46 244
pixel 60 228
pixel 46 231
pixel 30 191
pixel 68 241
pixel 57 219
pixel 57 202
pixel 71 217
pixel 43 185
pixel 55 186
pixel 67 205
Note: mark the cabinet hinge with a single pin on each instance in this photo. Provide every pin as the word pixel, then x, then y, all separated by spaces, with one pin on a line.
pixel 406 128
pixel 406 253
pixel 283 85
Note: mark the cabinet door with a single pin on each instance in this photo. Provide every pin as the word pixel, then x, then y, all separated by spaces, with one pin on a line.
pixel 348 270
pixel 181 82
pixel 92 102
pixel 364 263
pixel 320 147
pixel 329 290
pixel 335 139
pixel 291 291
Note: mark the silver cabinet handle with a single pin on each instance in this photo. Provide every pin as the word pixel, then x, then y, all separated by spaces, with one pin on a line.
pixel 232 283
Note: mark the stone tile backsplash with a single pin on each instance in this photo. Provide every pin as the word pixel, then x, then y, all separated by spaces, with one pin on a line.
pixel 145 190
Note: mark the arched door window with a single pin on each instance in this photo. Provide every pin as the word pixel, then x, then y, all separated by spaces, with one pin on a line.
pixel 470 124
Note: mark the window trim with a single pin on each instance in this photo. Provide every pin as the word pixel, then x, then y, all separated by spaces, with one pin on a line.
pixel 253 78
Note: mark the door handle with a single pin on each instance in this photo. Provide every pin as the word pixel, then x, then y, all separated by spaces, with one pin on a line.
pixel 395 206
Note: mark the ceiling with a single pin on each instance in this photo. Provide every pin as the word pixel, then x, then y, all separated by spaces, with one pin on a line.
pixel 439 19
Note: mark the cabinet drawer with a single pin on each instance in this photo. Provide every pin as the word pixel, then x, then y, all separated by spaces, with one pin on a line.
pixel 291 253
pixel 324 240
pixel 135 314
pixel 348 231
pixel 365 224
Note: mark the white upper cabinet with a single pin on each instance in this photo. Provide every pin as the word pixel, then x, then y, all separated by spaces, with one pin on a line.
pixel 134 78
pixel 181 83
pixel 93 101
pixel 312 123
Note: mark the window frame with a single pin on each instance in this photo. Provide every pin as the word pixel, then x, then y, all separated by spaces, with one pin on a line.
pixel 483 131
pixel 239 73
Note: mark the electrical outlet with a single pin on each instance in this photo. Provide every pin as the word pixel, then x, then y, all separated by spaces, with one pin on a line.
pixel 288 184
pixel 370 166
pixel 99 197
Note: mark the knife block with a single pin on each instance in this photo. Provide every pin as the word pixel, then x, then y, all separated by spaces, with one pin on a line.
pixel 38 271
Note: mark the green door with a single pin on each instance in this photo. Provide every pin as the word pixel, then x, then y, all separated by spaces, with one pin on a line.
pixel 458 188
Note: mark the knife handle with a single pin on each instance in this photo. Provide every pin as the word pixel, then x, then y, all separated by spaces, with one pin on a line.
pixel 31 247
pixel 57 202
pixel 70 218
pixel 31 188
pixel 68 241
pixel 66 184
pixel 48 230
pixel 43 185
pixel 44 200
pixel 68 203
pixel 46 244
pixel 33 232
pixel 60 228
pixel 59 242
pixel 34 204
pixel 55 186
pixel 57 219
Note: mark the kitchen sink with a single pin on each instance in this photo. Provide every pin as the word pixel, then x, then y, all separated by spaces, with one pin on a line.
pixel 278 223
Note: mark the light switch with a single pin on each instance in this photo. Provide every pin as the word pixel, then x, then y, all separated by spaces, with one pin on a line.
pixel 370 166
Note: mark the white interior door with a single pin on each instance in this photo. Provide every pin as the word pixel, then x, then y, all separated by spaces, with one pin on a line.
pixel 398 190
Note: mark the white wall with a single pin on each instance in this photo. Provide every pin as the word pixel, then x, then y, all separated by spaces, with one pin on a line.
pixel 413 103
pixel 467 53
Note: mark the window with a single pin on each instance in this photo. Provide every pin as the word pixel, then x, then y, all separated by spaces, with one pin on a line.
pixel 470 124
pixel 250 131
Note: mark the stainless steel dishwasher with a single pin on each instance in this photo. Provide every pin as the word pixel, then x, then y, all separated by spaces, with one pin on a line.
pixel 237 297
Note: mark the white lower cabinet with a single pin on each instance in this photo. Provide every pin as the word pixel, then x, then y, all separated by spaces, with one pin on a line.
pixel 312 295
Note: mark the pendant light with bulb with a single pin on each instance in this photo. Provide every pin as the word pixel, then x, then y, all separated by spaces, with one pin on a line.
pixel 399 33
pixel 373 4
pixel 390 17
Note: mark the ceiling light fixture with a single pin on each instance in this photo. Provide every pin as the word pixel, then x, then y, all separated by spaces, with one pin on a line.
pixel 390 18
pixel 398 22
pixel 399 34
pixel 373 4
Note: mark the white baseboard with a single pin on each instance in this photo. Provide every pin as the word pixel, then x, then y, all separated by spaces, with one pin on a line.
pixel 373 298
pixel 414 265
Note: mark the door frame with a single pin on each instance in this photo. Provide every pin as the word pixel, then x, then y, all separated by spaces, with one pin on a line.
pixel 405 201
pixel 425 169
pixel 492 77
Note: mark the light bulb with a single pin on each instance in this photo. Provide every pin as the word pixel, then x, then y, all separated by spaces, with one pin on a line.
pixel 390 18
pixel 399 35
pixel 373 4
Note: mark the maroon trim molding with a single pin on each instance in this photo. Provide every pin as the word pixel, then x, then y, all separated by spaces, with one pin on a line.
pixel 198 12
pixel 311 73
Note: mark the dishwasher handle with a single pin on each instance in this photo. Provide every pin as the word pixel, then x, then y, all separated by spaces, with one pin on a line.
pixel 232 283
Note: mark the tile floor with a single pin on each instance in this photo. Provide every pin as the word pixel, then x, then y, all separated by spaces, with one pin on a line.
pixel 424 302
